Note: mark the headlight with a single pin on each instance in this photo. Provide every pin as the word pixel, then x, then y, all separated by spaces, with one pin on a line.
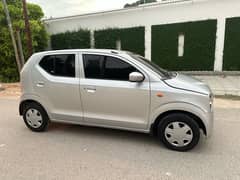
pixel 211 97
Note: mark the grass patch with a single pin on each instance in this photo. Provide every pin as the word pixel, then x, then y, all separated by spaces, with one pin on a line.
pixel 132 39
pixel 199 45
pixel 232 42
pixel 71 40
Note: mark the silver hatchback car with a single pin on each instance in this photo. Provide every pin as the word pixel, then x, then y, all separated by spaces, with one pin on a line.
pixel 115 89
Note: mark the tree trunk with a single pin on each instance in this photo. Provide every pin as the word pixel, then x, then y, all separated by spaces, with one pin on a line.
pixel 20 49
pixel 12 35
pixel 27 29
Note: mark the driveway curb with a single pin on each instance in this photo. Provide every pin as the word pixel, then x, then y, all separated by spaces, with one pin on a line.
pixel 222 85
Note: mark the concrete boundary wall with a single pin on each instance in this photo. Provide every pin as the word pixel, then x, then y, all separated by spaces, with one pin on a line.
pixel 154 14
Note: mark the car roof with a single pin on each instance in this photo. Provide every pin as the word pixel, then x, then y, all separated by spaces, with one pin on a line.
pixel 108 51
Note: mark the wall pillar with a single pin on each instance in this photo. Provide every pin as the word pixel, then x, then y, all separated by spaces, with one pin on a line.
pixel 220 38
pixel 92 40
pixel 148 39
pixel 49 45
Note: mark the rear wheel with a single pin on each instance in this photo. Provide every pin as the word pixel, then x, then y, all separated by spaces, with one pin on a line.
pixel 179 132
pixel 35 117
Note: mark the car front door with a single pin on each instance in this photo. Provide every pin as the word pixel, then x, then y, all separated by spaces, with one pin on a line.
pixel 109 99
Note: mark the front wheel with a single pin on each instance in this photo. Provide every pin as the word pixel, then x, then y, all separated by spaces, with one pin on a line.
pixel 179 132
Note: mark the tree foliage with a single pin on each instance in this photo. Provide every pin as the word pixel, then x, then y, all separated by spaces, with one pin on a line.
pixel 8 68
pixel 139 2
pixel 71 40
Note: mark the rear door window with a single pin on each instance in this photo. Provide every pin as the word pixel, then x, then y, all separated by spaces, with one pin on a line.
pixel 62 65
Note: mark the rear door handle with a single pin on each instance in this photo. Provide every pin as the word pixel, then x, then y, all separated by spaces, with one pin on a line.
pixel 40 84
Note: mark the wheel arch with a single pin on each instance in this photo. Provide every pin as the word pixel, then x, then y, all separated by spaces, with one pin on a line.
pixel 198 120
pixel 24 103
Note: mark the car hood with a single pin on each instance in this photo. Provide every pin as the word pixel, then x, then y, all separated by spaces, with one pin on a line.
pixel 188 83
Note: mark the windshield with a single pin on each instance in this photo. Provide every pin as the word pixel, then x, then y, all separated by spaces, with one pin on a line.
pixel 154 67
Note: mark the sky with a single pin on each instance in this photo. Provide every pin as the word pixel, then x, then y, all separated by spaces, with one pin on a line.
pixel 60 8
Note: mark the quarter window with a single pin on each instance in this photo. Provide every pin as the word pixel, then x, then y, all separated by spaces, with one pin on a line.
pixel 106 67
pixel 59 65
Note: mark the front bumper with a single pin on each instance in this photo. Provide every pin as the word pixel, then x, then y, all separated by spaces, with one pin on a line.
pixel 210 123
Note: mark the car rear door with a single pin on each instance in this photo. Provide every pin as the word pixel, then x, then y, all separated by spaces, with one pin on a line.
pixel 56 81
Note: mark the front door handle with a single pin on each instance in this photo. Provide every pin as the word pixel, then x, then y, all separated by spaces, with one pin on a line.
pixel 90 89
pixel 40 84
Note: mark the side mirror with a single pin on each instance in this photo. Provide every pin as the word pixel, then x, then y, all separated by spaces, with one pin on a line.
pixel 136 77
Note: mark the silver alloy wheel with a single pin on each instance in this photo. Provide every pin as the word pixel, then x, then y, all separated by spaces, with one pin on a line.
pixel 178 134
pixel 34 118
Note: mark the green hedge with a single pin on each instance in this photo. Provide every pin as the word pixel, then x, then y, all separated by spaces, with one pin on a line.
pixel 132 39
pixel 231 57
pixel 71 40
pixel 199 46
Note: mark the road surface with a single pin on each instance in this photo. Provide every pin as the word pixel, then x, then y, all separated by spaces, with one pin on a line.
pixel 76 152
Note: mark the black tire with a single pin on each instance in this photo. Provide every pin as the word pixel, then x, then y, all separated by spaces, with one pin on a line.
pixel 179 117
pixel 45 118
